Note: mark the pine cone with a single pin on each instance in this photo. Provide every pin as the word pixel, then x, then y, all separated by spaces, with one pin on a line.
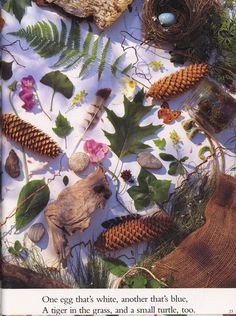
pixel 133 231
pixel 28 136
pixel 179 82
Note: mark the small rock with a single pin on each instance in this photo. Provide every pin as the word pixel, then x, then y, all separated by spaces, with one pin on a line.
pixel 12 165
pixel 36 232
pixel 149 161
pixel 78 162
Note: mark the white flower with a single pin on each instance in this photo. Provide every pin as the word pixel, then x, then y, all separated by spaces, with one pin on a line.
pixel 35 167
pixel 128 87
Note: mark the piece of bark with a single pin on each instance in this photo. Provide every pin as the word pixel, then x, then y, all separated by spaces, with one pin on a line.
pixel 14 277
pixel 73 209
pixel 105 12
pixel 206 258
pixel 12 165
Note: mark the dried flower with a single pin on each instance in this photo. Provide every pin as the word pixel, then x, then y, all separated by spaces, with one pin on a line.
pixel 174 137
pixel 126 175
pixel 128 87
pixel 77 100
pixel 96 151
pixel 27 82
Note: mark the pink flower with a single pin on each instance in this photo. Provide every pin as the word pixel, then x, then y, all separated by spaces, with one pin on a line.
pixel 27 82
pixel 26 96
pixel 26 93
pixel 96 151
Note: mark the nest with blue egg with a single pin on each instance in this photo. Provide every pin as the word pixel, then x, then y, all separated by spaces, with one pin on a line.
pixel 173 21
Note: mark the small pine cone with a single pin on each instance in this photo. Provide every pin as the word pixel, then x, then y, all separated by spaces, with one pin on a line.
pixel 133 231
pixel 28 136
pixel 178 82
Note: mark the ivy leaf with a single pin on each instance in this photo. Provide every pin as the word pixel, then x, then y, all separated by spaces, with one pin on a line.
pixel 17 7
pixel 128 135
pixel 167 157
pixel 6 70
pixel 63 127
pixel 33 198
pixel 59 83
pixel 184 159
pixel 160 143
pixel 115 266
pixel 173 168
pixel 150 189
pixel 18 247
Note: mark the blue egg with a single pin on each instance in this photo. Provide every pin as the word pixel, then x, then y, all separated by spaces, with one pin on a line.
pixel 167 19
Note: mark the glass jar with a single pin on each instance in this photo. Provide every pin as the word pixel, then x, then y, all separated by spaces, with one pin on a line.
pixel 211 106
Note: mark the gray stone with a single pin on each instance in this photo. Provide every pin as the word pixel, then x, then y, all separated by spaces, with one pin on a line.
pixel 148 161
pixel 12 165
pixel 36 232
pixel 78 162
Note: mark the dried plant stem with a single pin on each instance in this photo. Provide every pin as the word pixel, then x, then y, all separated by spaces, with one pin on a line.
pixel 40 105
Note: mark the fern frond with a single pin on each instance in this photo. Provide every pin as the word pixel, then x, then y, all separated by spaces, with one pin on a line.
pixel 102 63
pixel 114 67
pixel 91 59
pixel 126 69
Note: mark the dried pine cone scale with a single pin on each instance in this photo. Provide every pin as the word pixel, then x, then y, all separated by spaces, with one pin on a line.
pixel 179 82
pixel 28 136
pixel 133 231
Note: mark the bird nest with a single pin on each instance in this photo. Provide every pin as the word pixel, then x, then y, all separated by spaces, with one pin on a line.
pixel 191 17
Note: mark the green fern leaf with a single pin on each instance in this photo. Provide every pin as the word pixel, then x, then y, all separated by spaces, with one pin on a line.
pixel 126 69
pixel 87 41
pixel 102 63
pixel 91 59
pixel 63 34
pixel 74 36
pixel 115 64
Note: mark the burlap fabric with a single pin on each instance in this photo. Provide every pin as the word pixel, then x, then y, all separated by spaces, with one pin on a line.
pixel 207 257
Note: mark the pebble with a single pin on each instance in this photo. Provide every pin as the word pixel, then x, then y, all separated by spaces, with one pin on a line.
pixel 149 161
pixel 167 19
pixel 12 165
pixel 78 162
pixel 36 232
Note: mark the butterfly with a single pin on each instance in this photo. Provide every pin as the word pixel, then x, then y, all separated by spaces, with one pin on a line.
pixel 166 114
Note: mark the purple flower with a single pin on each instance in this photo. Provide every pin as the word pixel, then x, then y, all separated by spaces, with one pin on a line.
pixel 27 82
pixel 26 93
pixel 96 151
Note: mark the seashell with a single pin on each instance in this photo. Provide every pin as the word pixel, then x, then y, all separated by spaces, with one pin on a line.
pixel 12 165
pixel 36 232
pixel 78 162
pixel 105 12
pixel 149 161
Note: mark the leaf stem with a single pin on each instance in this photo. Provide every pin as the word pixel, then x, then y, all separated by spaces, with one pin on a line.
pixel 40 105
pixel 65 142
pixel 53 95
pixel 11 103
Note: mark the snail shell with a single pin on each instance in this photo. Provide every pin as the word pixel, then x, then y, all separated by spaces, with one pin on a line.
pixel 36 232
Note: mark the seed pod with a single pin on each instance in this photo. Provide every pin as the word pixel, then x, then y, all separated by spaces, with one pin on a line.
pixel 178 82
pixel 132 231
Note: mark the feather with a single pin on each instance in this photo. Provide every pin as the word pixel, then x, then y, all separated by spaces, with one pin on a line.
pixel 94 112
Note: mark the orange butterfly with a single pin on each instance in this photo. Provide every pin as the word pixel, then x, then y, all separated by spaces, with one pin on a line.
pixel 166 114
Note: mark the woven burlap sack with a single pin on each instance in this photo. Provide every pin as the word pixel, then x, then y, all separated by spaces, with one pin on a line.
pixel 206 258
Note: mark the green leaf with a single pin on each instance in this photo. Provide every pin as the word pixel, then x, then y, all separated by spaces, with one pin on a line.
pixel 63 127
pixel 173 168
pixel 115 266
pixel 114 67
pixel 12 251
pixel 184 159
pixel 150 189
pixel 91 59
pixel 126 69
pixel 6 70
pixel 17 7
pixel 160 143
pixel 102 63
pixel 33 198
pixel 202 151
pixel 138 282
pixel 65 180
pixel 17 246
pixel 167 157
pixel 128 135
pixel 59 83
pixel 154 284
